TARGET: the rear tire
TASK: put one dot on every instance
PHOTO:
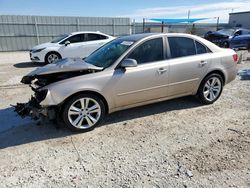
(210, 88)
(83, 112)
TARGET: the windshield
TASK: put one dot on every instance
(109, 53)
(59, 38)
(228, 32)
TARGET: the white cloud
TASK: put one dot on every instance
(220, 9)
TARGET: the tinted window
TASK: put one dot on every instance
(200, 48)
(181, 46)
(238, 32)
(59, 38)
(74, 39)
(95, 37)
(149, 51)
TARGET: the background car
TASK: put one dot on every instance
(127, 72)
(77, 44)
(224, 37)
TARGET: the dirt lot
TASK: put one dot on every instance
(177, 143)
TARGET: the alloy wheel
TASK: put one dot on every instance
(212, 89)
(52, 58)
(84, 113)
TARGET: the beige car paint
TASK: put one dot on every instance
(147, 83)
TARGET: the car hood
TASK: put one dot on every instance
(43, 45)
(64, 65)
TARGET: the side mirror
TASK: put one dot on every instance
(67, 43)
(129, 63)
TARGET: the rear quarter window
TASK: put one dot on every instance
(200, 48)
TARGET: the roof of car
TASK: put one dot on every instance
(81, 32)
(137, 37)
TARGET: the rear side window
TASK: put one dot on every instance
(149, 51)
(181, 46)
(93, 36)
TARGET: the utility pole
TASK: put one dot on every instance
(162, 27)
(188, 20)
(188, 14)
(217, 25)
(143, 25)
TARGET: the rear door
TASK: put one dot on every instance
(189, 61)
(92, 42)
(145, 82)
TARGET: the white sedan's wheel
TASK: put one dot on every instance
(83, 112)
(52, 57)
(210, 88)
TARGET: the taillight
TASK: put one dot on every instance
(235, 58)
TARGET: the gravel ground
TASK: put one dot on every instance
(177, 143)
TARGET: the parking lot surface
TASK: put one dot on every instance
(177, 143)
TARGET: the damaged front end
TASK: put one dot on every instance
(43, 76)
(33, 108)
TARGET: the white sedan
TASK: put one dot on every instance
(77, 44)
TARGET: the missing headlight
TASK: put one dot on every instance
(41, 95)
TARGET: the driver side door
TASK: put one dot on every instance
(147, 81)
(74, 48)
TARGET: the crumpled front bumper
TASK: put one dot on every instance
(33, 109)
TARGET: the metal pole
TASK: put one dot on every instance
(77, 24)
(188, 20)
(37, 34)
(162, 27)
(133, 26)
(143, 25)
(217, 25)
(188, 14)
(113, 26)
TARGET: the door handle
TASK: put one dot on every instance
(202, 62)
(162, 70)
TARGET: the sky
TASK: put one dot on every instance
(134, 9)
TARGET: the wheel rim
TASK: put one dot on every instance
(52, 58)
(84, 113)
(212, 89)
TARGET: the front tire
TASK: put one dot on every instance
(210, 88)
(83, 112)
(52, 57)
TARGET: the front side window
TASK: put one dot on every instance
(238, 32)
(149, 51)
(76, 38)
(59, 38)
(181, 46)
